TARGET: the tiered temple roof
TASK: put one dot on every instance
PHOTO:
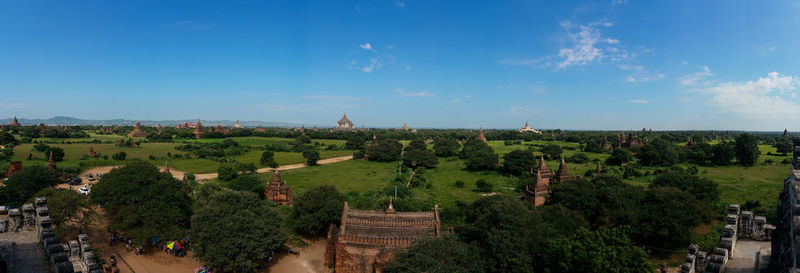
(344, 124)
(528, 128)
(480, 135)
(51, 163)
(15, 122)
(278, 191)
(367, 240)
(198, 130)
(137, 131)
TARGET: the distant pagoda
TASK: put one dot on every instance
(137, 131)
(344, 124)
(480, 135)
(198, 130)
(15, 122)
(528, 128)
(237, 125)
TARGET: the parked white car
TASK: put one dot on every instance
(84, 190)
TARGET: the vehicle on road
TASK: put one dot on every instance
(84, 190)
(75, 181)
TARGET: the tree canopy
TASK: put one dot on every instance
(235, 230)
(747, 149)
(67, 208)
(703, 189)
(437, 255)
(479, 155)
(386, 150)
(599, 251)
(314, 210)
(24, 184)
(143, 201)
(518, 162)
(444, 147)
(619, 156)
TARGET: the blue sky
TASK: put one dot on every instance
(557, 64)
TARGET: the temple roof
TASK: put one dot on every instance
(542, 165)
(345, 120)
(390, 224)
(562, 167)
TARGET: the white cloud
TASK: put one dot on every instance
(695, 78)
(684, 62)
(406, 93)
(640, 74)
(638, 101)
(618, 2)
(520, 109)
(771, 49)
(400, 4)
(408, 67)
(331, 98)
(764, 98)
(589, 45)
(366, 46)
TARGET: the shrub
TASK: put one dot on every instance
(119, 156)
(459, 184)
(483, 185)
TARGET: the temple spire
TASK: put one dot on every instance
(276, 177)
(542, 165)
(599, 168)
(390, 210)
(51, 163)
(562, 168)
(480, 135)
(166, 167)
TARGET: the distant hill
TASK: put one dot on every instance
(77, 121)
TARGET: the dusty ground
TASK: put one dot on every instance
(745, 255)
(310, 260)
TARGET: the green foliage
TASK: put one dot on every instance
(619, 156)
(143, 202)
(311, 156)
(354, 142)
(666, 217)
(658, 152)
(518, 162)
(747, 149)
(444, 147)
(593, 146)
(41, 147)
(703, 189)
(68, 208)
(599, 251)
(58, 153)
(226, 171)
(268, 159)
(437, 255)
(314, 210)
(483, 186)
(119, 156)
(578, 158)
(417, 144)
(723, 153)
(479, 155)
(552, 151)
(235, 231)
(247, 183)
(459, 184)
(784, 146)
(420, 158)
(386, 150)
(24, 184)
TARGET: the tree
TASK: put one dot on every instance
(8, 139)
(658, 152)
(23, 185)
(593, 147)
(437, 255)
(119, 156)
(420, 158)
(314, 210)
(58, 153)
(67, 208)
(41, 147)
(552, 151)
(784, 146)
(747, 149)
(417, 144)
(479, 155)
(226, 171)
(518, 162)
(247, 183)
(602, 250)
(268, 159)
(666, 217)
(311, 156)
(386, 151)
(143, 201)
(235, 231)
(354, 142)
(444, 147)
(483, 186)
(619, 156)
(702, 188)
(723, 153)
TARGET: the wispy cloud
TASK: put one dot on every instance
(366, 46)
(639, 74)
(767, 97)
(459, 100)
(407, 93)
(12, 104)
(638, 101)
(697, 77)
(400, 4)
(618, 2)
(587, 44)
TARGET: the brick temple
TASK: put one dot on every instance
(367, 240)
(278, 191)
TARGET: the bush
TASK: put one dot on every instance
(41, 147)
(119, 156)
(311, 156)
(579, 158)
(459, 184)
(483, 185)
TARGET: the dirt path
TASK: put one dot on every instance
(310, 260)
(201, 176)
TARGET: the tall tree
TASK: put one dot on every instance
(479, 155)
(552, 151)
(143, 202)
(445, 147)
(386, 150)
(702, 188)
(723, 153)
(314, 210)
(747, 149)
(599, 251)
(68, 208)
(437, 255)
(311, 156)
(619, 156)
(235, 231)
(518, 162)
(24, 184)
